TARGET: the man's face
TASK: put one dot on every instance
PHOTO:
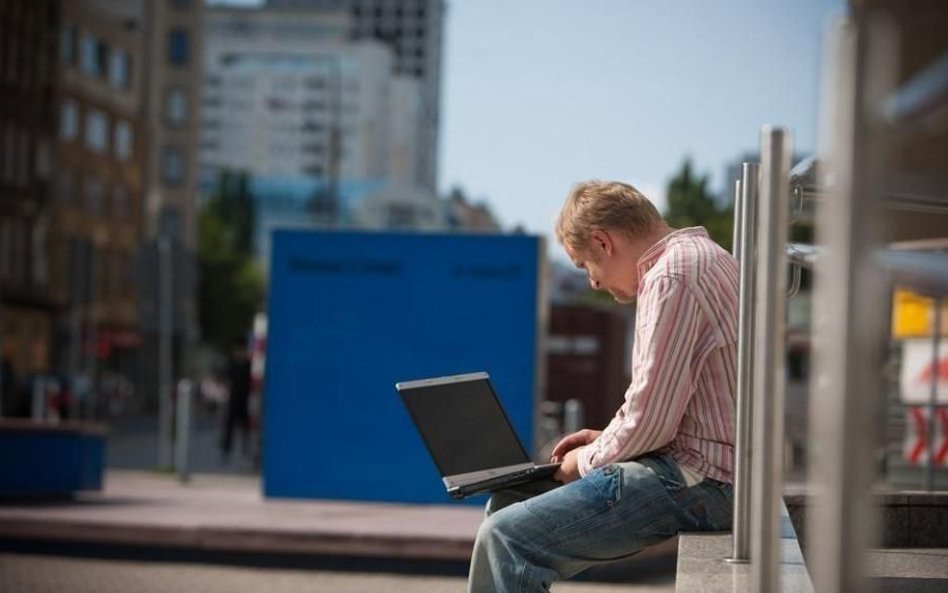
(605, 260)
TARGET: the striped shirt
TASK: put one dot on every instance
(684, 364)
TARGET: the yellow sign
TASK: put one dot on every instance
(912, 316)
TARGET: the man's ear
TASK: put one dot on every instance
(601, 242)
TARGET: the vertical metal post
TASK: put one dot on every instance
(572, 416)
(91, 356)
(81, 252)
(165, 384)
(850, 310)
(933, 396)
(745, 250)
(738, 221)
(183, 429)
(770, 345)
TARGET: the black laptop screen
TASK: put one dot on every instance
(464, 426)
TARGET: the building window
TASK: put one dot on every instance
(172, 165)
(120, 69)
(176, 106)
(69, 120)
(68, 39)
(170, 225)
(178, 47)
(97, 131)
(94, 55)
(123, 140)
(94, 196)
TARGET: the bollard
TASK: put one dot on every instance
(183, 429)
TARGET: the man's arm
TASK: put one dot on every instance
(573, 441)
(663, 358)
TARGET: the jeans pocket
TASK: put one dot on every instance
(597, 493)
(666, 469)
(710, 504)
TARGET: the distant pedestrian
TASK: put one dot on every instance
(237, 412)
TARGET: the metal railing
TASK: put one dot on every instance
(850, 320)
(745, 250)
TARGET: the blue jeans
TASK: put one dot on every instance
(540, 533)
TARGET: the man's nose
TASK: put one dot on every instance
(594, 283)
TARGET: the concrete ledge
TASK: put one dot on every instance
(702, 567)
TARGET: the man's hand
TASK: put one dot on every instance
(569, 470)
(571, 442)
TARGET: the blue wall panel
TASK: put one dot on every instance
(352, 313)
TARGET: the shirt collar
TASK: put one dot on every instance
(655, 252)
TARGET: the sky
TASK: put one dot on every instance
(538, 95)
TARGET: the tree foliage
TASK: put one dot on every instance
(690, 203)
(231, 285)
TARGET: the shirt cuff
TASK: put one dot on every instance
(584, 460)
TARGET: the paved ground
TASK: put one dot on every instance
(53, 574)
(225, 519)
(230, 514)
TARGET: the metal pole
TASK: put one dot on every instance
(92, 363)
(738, 221)
(183, 430)
(165, 384)
(850, 311)
(80, 292)
(572, 416)
(746, 216)
(770, 346)
(933, 397)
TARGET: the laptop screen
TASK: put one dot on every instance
(463, 425)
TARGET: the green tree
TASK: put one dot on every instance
(691, 204)
(231, 283)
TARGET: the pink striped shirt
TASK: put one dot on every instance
(684, 364)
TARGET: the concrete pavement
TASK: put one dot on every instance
(161, 530)
(52, 574)
(229, 514)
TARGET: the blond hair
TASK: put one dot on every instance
(610, 205)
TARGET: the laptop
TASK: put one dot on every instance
(469, 435)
